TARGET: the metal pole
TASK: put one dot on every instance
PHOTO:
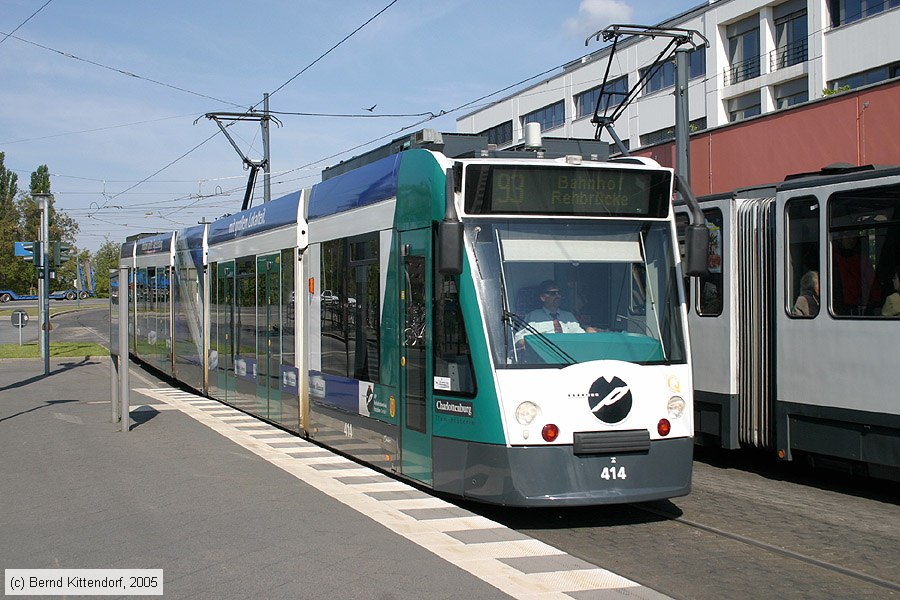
(267, 169)
(114, 351)
(682, 114)
(125, 410)
(45, 279)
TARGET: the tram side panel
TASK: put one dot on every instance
(837, 381)
(713, 309)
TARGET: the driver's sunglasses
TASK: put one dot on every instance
(553, 293)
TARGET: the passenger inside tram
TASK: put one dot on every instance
(891, 306)
(856, 291)
(807, 304)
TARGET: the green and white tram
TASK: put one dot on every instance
(507, 327)
(423, 274)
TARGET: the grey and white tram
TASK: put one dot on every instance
(793, 330)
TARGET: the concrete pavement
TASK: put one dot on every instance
(230, 507)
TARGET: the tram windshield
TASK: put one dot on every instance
(556, 294)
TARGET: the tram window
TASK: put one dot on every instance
(681, 223)
(802, 219)
(245, 326)
(335, 357)
(350, 316)
(864, 231)
(287, 307)
(710, 300)
(363, 302)
(453, 370)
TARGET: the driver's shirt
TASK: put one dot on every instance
(543, 321)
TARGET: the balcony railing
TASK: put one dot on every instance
(791, 54)
(742, 71)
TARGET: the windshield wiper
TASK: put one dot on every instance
(523, 324)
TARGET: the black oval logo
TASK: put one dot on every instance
(610, 401)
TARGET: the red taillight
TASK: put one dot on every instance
(664, 427)
(550, 432)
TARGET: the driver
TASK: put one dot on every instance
(550, 318)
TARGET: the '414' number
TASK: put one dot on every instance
(613, 473)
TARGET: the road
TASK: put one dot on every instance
(95, 310)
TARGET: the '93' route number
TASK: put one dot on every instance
(613, 473)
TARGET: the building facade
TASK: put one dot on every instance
(788, 86)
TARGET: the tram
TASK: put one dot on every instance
(793, 326)
(508, 327)
(150, 316)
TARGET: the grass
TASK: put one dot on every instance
(61, 349)
(6, 313)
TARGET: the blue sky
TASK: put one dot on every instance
(65, 102)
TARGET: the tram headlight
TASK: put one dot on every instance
(676, 407)
(527, 412)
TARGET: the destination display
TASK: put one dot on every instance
(552, 190)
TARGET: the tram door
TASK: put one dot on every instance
(224, 337)
(268, 339)
(415, 410)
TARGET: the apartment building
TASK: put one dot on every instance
(780, 73)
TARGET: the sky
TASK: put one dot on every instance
(111, 94)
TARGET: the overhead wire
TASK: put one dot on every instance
(279, 88)
(123, 71)
(19, 26)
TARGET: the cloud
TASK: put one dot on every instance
(594, 15)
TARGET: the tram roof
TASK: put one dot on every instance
(470, 145)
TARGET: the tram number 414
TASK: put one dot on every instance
(613, 473)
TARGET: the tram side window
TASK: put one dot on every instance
(453, 370)
(288, 326)
(363, 304)
(333, 292)
(245, 325)
(711, 285)
(802, 218)
(350, 320)
(681, 223)
(864, 231)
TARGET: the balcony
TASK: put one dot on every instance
(741, 71)
(785, 56)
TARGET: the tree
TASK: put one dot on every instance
(15, 274)
(106, 258)
(61, 226)
(20, 221)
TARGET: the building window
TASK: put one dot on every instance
(744, 107)
(549, 117)
(863, 228)
(791, 36)
(614, 93)
(664, 76)
(500, 134)
(869, 77)
(791, 93)
(668, 134)
(849, 11)
(802, 220)
(743, 50)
